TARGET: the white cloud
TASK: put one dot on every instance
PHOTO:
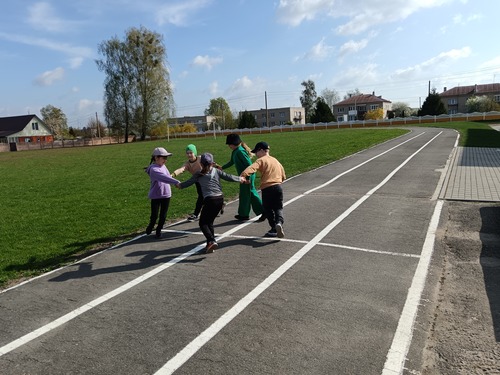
(352, 47)
(362, 14)
(49, 77)
(207, 61)
(436, 61)
(74, 51)
(86, 104)
(459, 19)
(180, 13)
(318, 52)
(41, 16)
(75, 62)
(213, 88)
(358, 76)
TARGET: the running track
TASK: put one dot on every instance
(338, 295)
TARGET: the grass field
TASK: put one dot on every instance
(61, 204)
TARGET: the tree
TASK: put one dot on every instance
(351, 93)
(322, 112)
(137, 84)
(401, 109)
(119, 86)
(220, 109)
(433, 105)
(481, 104)
(56, 120)
(98, 128)
(375, 114)
(247, 120)
(331, 97)
(308, 99)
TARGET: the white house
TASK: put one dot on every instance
(24, 129)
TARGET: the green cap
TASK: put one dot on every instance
(192, 148)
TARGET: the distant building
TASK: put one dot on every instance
(355, 107)
(24, 129)
(279, 116)
(202, 123)
(454, 99)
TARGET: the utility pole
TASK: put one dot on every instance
(98, 127)
(267, 112)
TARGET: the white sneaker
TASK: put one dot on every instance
(279, 230)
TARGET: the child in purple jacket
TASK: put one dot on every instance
(160, 191)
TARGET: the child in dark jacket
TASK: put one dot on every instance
(159, 191)
(213, 199)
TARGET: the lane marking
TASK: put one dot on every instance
(197, 343)
(86, 307)
(270, 239)
(396, 356)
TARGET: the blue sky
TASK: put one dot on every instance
(240, 49)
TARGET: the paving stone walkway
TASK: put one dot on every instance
(473, 175)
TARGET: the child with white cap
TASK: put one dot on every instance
(213, 199)
(159, 191)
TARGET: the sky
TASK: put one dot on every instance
(247, 50)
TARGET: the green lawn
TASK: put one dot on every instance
(61, 204)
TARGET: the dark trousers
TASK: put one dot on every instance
(210, 210)
(158, 205)
(199, 200)
(272, 203)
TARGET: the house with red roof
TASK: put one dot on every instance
(355, 107)
(24, 129)
(454, 99)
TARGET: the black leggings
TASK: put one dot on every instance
(210, 210)
(158, 205)
(199, 200)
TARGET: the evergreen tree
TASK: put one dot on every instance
(247, 120)
(322, 112)
(433, 105)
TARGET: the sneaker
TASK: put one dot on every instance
(279, 230)
(242, 218)
(272, 233)
(149, 230)
(192, 217)
(212, 245)
(223, 207)
(158, 235)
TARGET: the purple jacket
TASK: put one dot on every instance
(160, 181)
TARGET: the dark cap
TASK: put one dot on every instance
(260, 146)
(233, 139)
(207, 159)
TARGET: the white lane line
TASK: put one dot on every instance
(396, 356)
(73, 314)
(190, 349)
(270, 239)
